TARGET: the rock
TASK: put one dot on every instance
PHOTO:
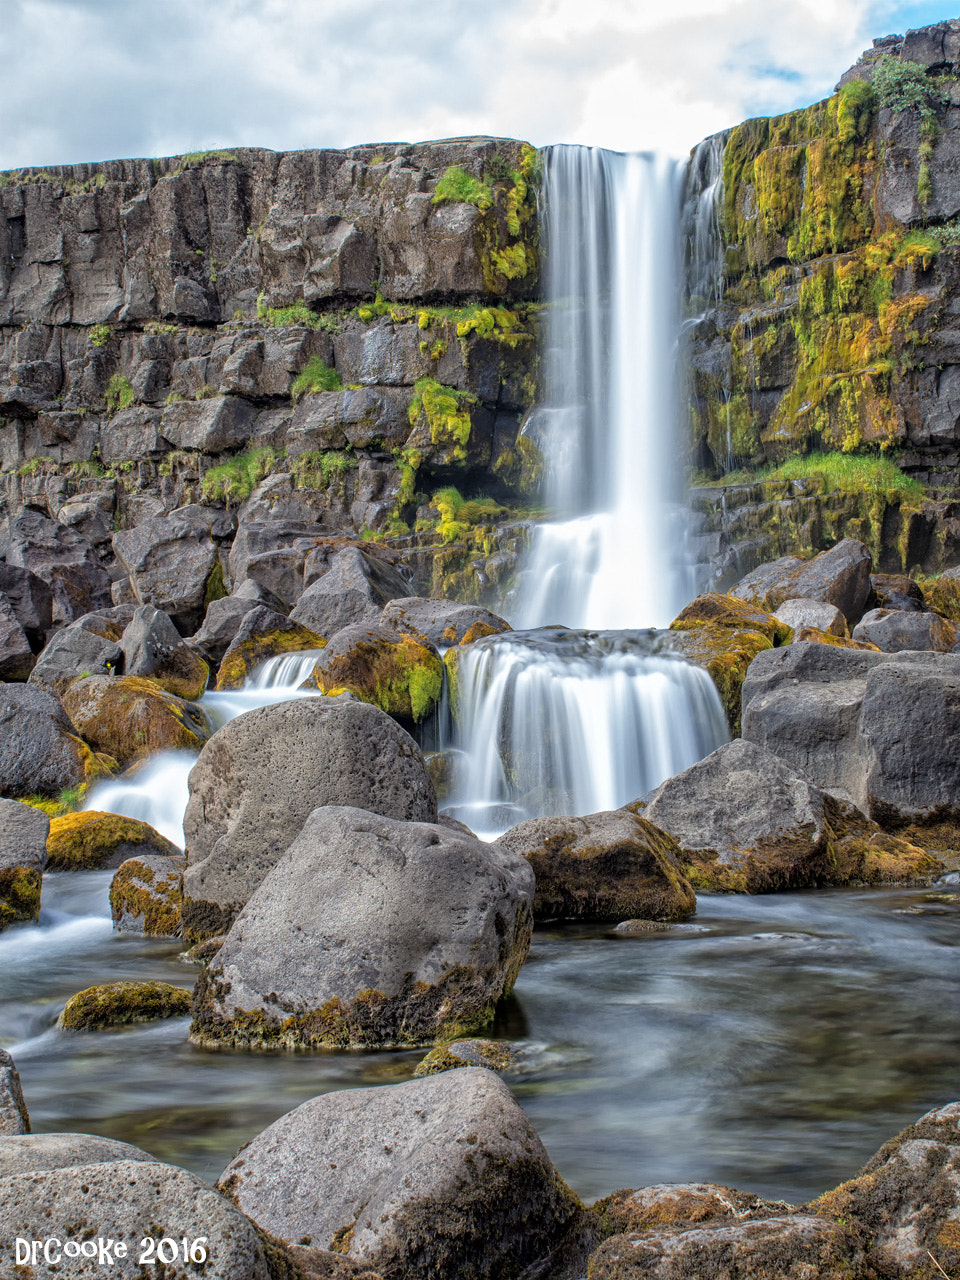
(89, 646)
(64, 559)
(467, 1189)
(152, 647)
(92, 841)
(941, 593)
(16, 657)
(799, 614)
(602, 867)
(174, 565)
(893, 630)
(494, 1055)
(128, 1200)
(216, 425)
(262, 634)
(393, 933)
(400, 674)
(130, 717)
(896, 591)
(761, 1249)
(272, 553)
(14, 1117)
(827, 637)
(222, 620)
(146, 894)
(442, 622)
(36, 1152)
(840, 576)
(675, 1204)
(31, 601)
(261, 775)
(119, 1003)
(903, 1205)
(40, 752)
(725, 655)
(352, 591)
(730, 613)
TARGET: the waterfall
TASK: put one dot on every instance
(559, 721)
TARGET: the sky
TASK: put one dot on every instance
(91, 80)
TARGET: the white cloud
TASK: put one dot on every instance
(90, 79)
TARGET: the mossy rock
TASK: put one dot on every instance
(441, 766)
(92, 840)
(131, 717)
(246, 653)
(725, 655)
(146, 894)
(400, 674)
(120, 1003)
(819, 636)
(731, 614)
(186, 674)
(492, 1054)
(942, 593)
(19, 895)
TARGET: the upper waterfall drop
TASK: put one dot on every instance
(608, 424)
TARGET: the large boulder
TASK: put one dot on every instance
(894, 630)
(92, 841)
(222, 620)
(800, 614)
(14, 1117)
(262, 634)
(840, 576)
(39, 1151)
(17, 659)
(401, 674)
(89, 646)
(31, 601)
(443, 1176)
(442, 622)
(370, 932)
(353, 589)
(607, 866)
(40, 752)
(261, 775)
(64, 559)
(174, 564)
(129, 717)
(152, 646)
(904, 1205)
(23, 858)
(146, 894)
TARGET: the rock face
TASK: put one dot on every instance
(870, 726)
(89, 646)
(40, 751)
(370, 932)
(259, 777)
(840, 577)
(603, 867)
(442, 1176)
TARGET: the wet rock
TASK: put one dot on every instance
(14, 1117)
(16, 656)
(730, 613)
(444, 1173)
(893, 630)
(23, 858)
(31, 601)
(840, 576)
(89, 646)
(118, 1004)
(759, 1249)
(40, 752)
(369, 932)
(262, 634)
(64, 559)
(351, 591)
(602, 867)
(129, 717)
(799, 614)
(261, 775)
(493, 1055)
(146, 894)
(173, 564)
(92, 841)
(152, 647)
(904, 1206)
(401, 674)
(143, 1199)
(442, 622)
(673, 1204)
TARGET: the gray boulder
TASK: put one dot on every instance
(127, 1200)
(31, 601)
(215, 425)
(442, 622)
(370, 932)
(894, 630)
(261, 775)
(146, 894)
(152, 646)
(443, 1176)
(352, 590)
(813, 613)
(89, 646)
(272, 553)
(173, 564)
(222, 620)
(840, 576)
(745, 821)
(64, 559)
(39, 1152)
(16, 656)
(14, 1117)
(40, 752)
(602, 867)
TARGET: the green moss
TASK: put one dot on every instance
(853, 473)
(121, 1003)
(486, 1053)
(317, 469)
(314, 378)
(196, 159)
(446, 412)
(458, 186)
(404, 677)
(296, 315)
(240, 659)
(214, 589)
(100, 335)
(119, 393)
(152, 899)
(19, 895)
(88, 841)
(233, 481)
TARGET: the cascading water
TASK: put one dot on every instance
(557, 721)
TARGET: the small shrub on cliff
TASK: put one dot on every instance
(233, 481)
(459, 187)
(295, 315)
(314, 378)
(905, 86)
(119, 393)
(100, 335)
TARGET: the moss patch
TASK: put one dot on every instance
(725, 655)
(146, 895)
(91, 840)
(401, 675)
(120, 1003)
(132, 716)
(243, 657)
(19, 895)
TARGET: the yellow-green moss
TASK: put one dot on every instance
(241, 658)
(120, 1003)
(19, 895)
(89, 840)
(731, 614)
(725, 655)
(446, 414)
(403, 677)
(151, 899)
(132, 716)
(486, 1053)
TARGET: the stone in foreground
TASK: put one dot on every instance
(261, 775)
(603, 867)
(370, 932)
(437, 1177)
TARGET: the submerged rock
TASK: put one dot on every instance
(119, 1003)
(437, 1177)
(494, 1055)
(91, 841)
(603, 867)
(23, 858)
(370, 932)
(146, 894)
(260, 776)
